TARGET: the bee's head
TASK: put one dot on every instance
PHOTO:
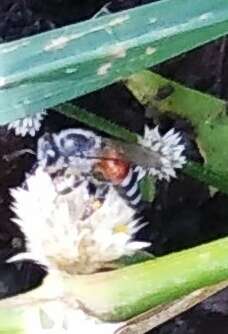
(77, 142)
(71, 147)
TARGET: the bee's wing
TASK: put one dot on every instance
(136, 153)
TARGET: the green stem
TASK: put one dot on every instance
(11, 321)
(99, 123)
(121, 294)
(207, 175)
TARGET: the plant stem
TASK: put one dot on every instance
(121, 294)
(97, 122)
(159, 315)
(11, 321)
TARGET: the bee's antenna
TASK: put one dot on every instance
(16, 154)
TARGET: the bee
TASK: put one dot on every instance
(68, 158)
(83, 154)
(75, 154)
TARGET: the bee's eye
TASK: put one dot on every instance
(77, 143)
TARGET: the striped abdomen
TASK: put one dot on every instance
(119, 172)
(129, 187)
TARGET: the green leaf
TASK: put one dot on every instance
(206, 174)
(148, 189)
(97, 122)
(50, 68)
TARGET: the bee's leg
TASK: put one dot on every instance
(98, 189)
(66, 181)
(19, 277)
(103, 190)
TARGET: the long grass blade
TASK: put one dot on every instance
(50, 68)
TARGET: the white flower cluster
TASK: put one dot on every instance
(169, 148)
(74, 232)
(28, 125)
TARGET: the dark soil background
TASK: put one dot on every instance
(184, 213)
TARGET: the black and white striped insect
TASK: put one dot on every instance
(75, 154)
(83, 154)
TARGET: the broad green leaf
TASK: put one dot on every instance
(50, 68)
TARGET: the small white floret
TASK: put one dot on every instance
(169, 148)
(28, 125)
